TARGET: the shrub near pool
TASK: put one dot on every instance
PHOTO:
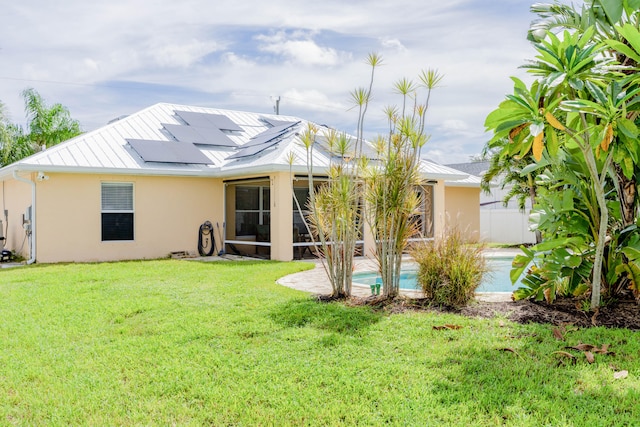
(186, 343)
(449, 271)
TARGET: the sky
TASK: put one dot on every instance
(103, 60)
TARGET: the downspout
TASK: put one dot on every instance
(32, 239)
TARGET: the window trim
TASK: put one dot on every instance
(117, 211)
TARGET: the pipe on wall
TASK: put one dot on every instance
(32, 239)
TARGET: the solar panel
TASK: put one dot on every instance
(254, 149)
(367, 151)
(270, 134)
(261, 139)
(198, 135)
(168, 152)
(275, 123)
(284, 126)
(206, 120)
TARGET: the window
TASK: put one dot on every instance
(252, 209)
(117, 211)
(302, 196)
(424, 218)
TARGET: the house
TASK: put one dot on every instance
(499, 223)
(141, 187)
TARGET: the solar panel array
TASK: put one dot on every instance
(367, 151)
(168, 152)
(204, 129)
(264, 140)
(276, 123)
(206, 120)
(199, 135)
(251, 151)
(279, 129)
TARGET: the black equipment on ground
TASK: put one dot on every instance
(206, 240)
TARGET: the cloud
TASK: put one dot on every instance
(235, 60)
(180, 55)
(299, 47)
(95, 57)
(393, 44)
(311, 100)
(452, 125)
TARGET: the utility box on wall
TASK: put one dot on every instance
(26, 219)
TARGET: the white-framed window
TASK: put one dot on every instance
(117, 211)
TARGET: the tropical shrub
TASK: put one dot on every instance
(449, 269)
(584, 102)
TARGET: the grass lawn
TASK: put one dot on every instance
(175, 342)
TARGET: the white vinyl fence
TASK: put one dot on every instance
(505, 226)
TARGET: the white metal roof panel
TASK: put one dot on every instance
(106, 149)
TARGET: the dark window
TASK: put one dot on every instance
(252, 209)
(117, 211)
(301, 194)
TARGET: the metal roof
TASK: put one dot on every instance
(106, 149)
(472, 168)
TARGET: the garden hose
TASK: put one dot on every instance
(206, 241)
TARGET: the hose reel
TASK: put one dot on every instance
(206, 241)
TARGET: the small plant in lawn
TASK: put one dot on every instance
(449, 269)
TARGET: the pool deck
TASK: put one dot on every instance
(315, 280)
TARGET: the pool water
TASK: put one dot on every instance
(496, 280)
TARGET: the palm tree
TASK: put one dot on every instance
(48, 125)
(13, 145)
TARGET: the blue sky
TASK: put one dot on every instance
(107, 59)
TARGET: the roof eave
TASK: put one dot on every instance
(462, 184)
(7, 172)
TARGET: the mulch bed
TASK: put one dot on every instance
(616, 314)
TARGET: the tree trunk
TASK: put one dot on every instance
(598, 186)
(532, 197)
(628, 194)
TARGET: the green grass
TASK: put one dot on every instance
(185, 343)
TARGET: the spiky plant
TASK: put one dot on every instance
(334, 212)
(392, 183)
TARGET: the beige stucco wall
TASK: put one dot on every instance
(462, 205)
(168, 212)
(281, 217)
(439, 208)
(16, 197)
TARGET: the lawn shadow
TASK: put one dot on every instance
(333, 317)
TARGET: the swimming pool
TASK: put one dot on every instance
(496, 280)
